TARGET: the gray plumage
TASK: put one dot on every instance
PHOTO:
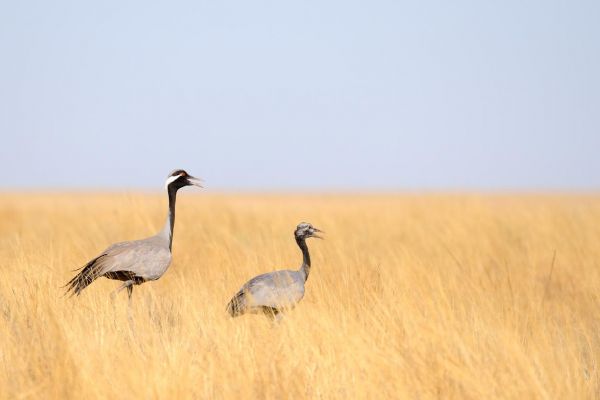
(274, 292)
(138, 261)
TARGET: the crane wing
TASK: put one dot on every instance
(279, 289)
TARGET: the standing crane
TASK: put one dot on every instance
(138, 261)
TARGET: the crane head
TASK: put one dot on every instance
(304, 230)
(179, 178)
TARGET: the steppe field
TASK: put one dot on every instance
(410, 296)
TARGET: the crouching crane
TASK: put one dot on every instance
(275, 292)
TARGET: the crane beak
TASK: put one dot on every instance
(315, 235)
(194, 181)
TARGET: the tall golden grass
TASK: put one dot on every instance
(410, 296)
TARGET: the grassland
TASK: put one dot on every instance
(410, 296)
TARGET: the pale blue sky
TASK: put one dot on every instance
(301, 94)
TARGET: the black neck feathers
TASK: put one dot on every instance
(172, 191)
(305, 256)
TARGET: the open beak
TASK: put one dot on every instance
(315, 235)
(194, 181)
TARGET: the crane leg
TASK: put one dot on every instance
(127, 284)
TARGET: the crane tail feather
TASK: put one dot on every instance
(237, 305)
(83, 279)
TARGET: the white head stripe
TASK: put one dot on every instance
(171, 179)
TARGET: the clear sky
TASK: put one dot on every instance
(301, 94)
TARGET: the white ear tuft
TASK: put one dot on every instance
(171, 179)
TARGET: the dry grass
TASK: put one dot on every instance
(409, 297)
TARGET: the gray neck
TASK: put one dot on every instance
(305, 268)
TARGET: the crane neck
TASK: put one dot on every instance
(167, 230)
(305, 268)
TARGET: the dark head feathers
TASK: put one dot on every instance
(178, 172)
